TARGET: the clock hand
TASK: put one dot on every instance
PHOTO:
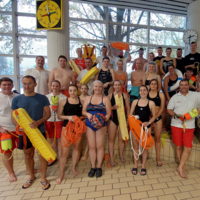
(44, 15)
(52, 13)
(47, 9)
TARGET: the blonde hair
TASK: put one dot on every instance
(98, 81)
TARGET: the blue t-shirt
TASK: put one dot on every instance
(33, 105)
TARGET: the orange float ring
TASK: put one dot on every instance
(120, 45)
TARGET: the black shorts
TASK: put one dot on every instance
(29, 144)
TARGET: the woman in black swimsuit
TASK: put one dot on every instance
(159, 99)
(67, 109)
(113, 123)
(144, 109)
(106, 75)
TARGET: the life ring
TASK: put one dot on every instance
(120, 45)
(175, 86)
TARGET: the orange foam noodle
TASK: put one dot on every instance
(120, 45)
(135, 127)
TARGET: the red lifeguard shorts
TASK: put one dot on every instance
(15, 142)
(180, 138)
(50, 129)
(65, 92)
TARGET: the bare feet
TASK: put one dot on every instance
(59, 180)
(84, 158)
(35, 171)
(12, 178)
(75, 172)
(181, 172)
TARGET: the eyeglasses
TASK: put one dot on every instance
(27, 84)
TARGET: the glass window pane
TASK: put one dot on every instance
(5, 23)
(27, 6)
(6, 65)
(87, 11)
(26, 63)
(127, 34)
(77, 44)
(32, 46)
(6, 44)
(162, 37)
(6, 5)
(87, 30)
(164, 20)
(127, 15)
(27, 25)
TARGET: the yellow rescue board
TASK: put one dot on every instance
(35, 136)
(121, 117)
(89, 75)
(74, 66)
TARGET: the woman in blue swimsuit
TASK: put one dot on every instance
(96, 103)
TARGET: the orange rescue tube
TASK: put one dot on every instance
(120, 45)
(135, 127)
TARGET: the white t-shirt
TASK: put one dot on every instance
(182, 104)
(61, 96)
(6, 112)
(42, 79)
(100, 60)
(116, 59)
(90, 82)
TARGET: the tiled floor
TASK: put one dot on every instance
(118, 184)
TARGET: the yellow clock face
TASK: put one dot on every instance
(48, 14)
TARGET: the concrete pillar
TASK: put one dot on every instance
(58, 40)
(193, 17)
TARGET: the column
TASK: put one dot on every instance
(58, 40)
(193, 17)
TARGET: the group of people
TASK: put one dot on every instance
(148, 98)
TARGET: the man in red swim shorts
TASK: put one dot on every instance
(6, 125)
(180, 104)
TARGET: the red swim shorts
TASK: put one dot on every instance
(50, 129)
(65, 92)
(180, 138)
(15, 142)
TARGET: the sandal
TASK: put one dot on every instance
(45, 183)
(134, 170)
(143, 170)
(112, 164)
(99, 172)
(92, 172)
(159, 163)
(30, 182)
(51, 163)
(123, 160)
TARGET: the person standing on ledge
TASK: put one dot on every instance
(40, 74)
(158, 58)
(63, 75)
(193, 57)
(136, 81)
(180, 61)
(80, 61)
(104, 50)
(180, 104)
(143, 60)
(120, 57)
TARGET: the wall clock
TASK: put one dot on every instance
(190, 36)
(48, 14)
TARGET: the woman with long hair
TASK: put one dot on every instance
(151, 74)
(67, 109)
(97, 109)
(159, 99)
(144, 109)
(113, 123)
